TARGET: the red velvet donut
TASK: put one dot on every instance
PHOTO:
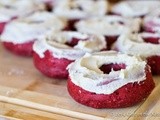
(110, 26)
(11, 10)
(51, 66)
(152, 22)
(76, 10)
(125, 96)
(146, 45)
(135, 8)
(20, 34)
(55, 51)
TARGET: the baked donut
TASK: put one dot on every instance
(111, 26)
(75, 10)
(109, 80)
(56, 50)
(11, 9)
(152, 22)
(135, 8)
(145, 45)
(20, 34)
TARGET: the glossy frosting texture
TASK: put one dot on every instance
(134, 44)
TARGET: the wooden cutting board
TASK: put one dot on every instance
(27, 94)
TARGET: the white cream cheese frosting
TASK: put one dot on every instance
(135, 8)
(79, 9)
(153, 20)
(10, 9)
(31, 27)
(55, 43)
(134, 44)
(86, 74)
(110, 25)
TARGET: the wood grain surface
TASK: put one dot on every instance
(27, 94)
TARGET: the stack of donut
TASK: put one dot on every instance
(107, 53)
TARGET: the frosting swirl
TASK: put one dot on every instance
(92, 79)
(56, 43)
(31, 27)
(110, 25)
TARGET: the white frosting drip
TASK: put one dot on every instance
(86, 74)
(134, 8)
(55, 42)
(31, 27)
(134, 44)
(18, 8)
(153, 20)
(110, 25)
(78, 9)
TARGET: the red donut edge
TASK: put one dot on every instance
(128, 95)
(51, 66)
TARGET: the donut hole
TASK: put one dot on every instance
(111, 40)
(73, 42)
(152, 40)
(121, 23)
(109, 67)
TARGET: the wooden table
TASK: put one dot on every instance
(27, 94)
